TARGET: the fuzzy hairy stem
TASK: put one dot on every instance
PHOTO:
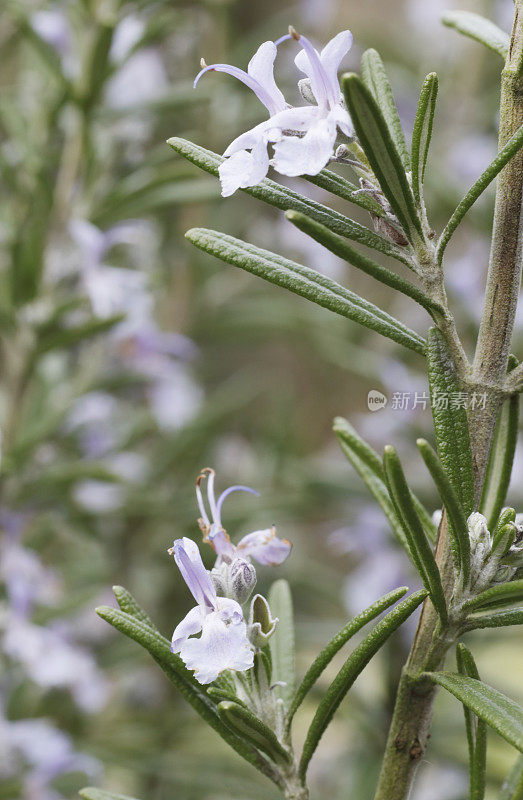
(410, 725)
(504, 274)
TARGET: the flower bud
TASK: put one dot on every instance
(242, 579)
(478, 531)
(261, 624)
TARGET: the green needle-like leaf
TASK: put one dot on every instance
(175, 670)
(282, 641)
(511, 148)
(129, 605)
(355, 663)
(450, 420)
(246, 726)
(340, 247)
(458, 528)
(376, 80)
(329, 651)
(499, 469)
(502, 594)
(501, 619)
(374, 136)
(497, 710)
(368, 465)
(477, 27)
(476, 729)
(283, 198)
(422, 555)
(512, 788)
(422, 133)
(305, 282)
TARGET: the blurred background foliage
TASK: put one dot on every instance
(130, 361)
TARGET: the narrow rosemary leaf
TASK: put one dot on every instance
(335, 645)
(379, 491)
(374, 137)
(129, 605)
(501, 619)
(375, 78)
(340, 247)
(191, 690)
(282, 641)
(501, 459)
(512, 788)
(283, 198)
(218, 695)
(505, 154)
(458, 528)
(477, 27)
(450, 420)
(476, 729)
(367, 464)
(246, 726)
(423, 556)
(355, 663)
(504, 534)
(341, 187)
(422, 133)
(500, 712)
(501, 595)
(304, 282)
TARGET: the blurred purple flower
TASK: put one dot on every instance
(52, 659)
(36, 750)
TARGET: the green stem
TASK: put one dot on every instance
(409, 731)
(504, 273)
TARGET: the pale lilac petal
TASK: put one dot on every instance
(296, 119)
(223, 546)
(261, 68)
(265, 547)
(244, 169)
(309, 154)
(197, 578)
(222, 645)
(340, 116)
(259, 90)
(191, 624)
(308, 61)
(331, 57)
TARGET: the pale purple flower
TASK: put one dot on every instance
(51, 659)
(263, 545)
(223, 643)
(46, 752)
(303, 137)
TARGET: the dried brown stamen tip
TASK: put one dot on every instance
(294, 33)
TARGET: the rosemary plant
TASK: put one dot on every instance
(232, 657)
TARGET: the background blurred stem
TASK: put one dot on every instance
(410, 725)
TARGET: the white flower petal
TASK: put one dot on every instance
(261, 68)
(192, 623)
(265, 547)
(244, 168)
(197, 578)
(306, 155)
(331, 57)
(222, 645)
